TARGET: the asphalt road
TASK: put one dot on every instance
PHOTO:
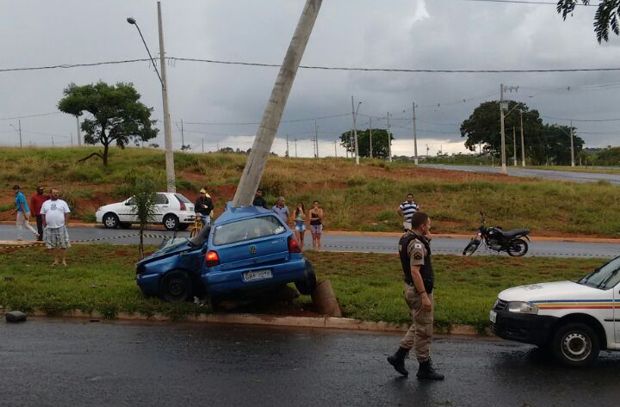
(347, 243)
(526, 172)
(68, 363)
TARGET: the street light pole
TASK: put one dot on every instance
(415, 138)
(503, 135)
(354, 111)
(389, 138)
(572, 146)
(522, 143)
(370, 135)
(514, 142)
(169, 154)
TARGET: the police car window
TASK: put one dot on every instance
(606, 277)
(247, 229)
(161, 199)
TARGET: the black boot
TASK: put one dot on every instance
(427, 372)
(398, 361)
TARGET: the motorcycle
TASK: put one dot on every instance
(512, 241)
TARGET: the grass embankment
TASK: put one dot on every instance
(363, 198)
(368, 286)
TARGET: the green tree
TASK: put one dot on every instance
(608, 156)
(380, 148)
(606, 16)
(117, 114)
(555, 144)
(142, 189)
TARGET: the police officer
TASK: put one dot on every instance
(415, 256)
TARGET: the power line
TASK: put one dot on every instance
(535, 2)
(318, 67)
(257, 123)
(30, 115)
(581, 120)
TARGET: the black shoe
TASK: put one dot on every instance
(398, 361)
(427, 372)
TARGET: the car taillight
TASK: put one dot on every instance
(212, 258)
(293, 245)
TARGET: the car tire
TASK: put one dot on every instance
(307, 286)
(517, 247)
(110, 221)
(576, 344)
(176, 286)
(125, 225)
(183, 226)
(171, 222)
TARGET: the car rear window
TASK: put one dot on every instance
(182, 198)
(247, 229)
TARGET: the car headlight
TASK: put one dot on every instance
(522, 307)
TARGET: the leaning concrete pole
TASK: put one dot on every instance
(270, 122)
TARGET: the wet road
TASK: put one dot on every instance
(527, 172)
(333, 241)
(61, 363)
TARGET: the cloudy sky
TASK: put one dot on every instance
(216, 102)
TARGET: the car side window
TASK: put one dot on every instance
(247, 229)
(161, 199)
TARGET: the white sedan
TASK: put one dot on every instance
(173, 210)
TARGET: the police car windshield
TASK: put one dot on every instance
(605, 277)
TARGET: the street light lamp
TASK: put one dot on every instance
(354, 112)
(170, 176)
(19, 131)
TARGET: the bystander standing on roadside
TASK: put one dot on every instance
(300, 224)
(36, 201)
(203, 207)
(316, 216)
(56, 212)
(22, 212)
(259, 200)
(281, 210)
(415, 257)
(406, 210)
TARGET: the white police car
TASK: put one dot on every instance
(574, 320)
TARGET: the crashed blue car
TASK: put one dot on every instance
(245, 249)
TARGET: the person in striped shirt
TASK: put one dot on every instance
(407, 209)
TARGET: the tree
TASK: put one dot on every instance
(141, 188)
(117, 115)
(606, 16)
(482, 128)
(380, 148)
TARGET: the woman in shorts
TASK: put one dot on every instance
(300, 224)
(316, 216)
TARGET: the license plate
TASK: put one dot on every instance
(257, 275)
(493, 316)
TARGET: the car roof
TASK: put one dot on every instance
(237, 213)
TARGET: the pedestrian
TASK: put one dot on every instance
(281, 210)
(406, 210)
(415, 256)
(36, 201)
(203, 207)
(259, 200)
(316, 216)
(22, 212)
(56, 215)
(300, 224)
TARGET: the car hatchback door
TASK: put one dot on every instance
(250, 242)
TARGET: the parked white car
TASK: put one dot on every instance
(572, 319)
(173, 210)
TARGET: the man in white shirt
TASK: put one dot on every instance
(56, 214)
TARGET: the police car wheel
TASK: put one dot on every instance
(576, 344)
(176, 286)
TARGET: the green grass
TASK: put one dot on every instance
(368, 286)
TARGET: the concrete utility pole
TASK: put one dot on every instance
(170, 176)
(522, 143)
(572, 146)
(295, 148)
(255, 165)
(316, 140)
(203, 144)
(503, 135)
(287, 154)
(514, 142)
(79, 133)
(335, 148)
(389, 134)
(182, 136)
(415, 139)
(354, 113)
(370, 135)
(19, 124)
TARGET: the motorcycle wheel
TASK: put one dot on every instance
(471, 247)
(517, 247)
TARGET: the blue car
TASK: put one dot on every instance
(245, 249)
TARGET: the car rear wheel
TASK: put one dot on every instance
(576, 344)
(307, 286)
(110, 221)
(176, 286)
(171, 222)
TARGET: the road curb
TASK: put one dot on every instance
(324, 322)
